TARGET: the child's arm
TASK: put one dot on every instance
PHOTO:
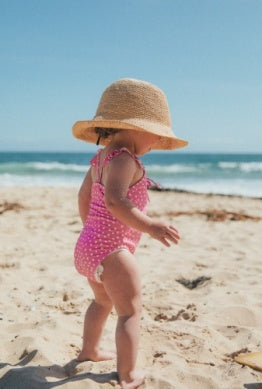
(84, 196)
(119, 174)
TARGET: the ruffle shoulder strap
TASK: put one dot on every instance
(95, 160)
(117, 152)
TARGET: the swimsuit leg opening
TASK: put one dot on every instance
(100, 268)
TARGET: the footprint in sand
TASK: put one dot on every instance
(187, 314)
(159, 356)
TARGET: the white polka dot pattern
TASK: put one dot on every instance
(103, 233)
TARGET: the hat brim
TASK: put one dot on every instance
(85, 130)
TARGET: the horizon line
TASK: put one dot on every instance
(151, 152)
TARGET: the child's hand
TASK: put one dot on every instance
(164, 233)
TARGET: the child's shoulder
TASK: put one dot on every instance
(122, 155)
(123, 151)
(119, 156)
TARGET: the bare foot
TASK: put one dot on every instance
(133, 381)
(97, 356)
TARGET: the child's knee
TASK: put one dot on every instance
(101, 297)
(131, 308)
(105, 302)
(125, 316)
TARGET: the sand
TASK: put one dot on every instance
(189, 336)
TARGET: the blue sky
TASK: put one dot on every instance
(57, 56)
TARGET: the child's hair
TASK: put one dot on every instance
(104, 133)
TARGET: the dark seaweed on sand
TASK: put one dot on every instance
(192, 284)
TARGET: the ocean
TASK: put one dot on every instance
(233, 174)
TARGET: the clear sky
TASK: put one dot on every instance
(57, 56)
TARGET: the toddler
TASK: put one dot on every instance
(132, 118)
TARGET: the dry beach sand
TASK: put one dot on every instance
(189, 336)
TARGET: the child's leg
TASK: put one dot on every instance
(95, 319)
(121, 280)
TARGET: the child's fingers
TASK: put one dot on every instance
(164, 241)
(173, 238)
(166, 234)
(173, 233)
(173, 229)
(167, 237)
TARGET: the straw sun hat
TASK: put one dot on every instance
(130, 104)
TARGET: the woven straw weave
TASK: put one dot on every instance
(130, 104)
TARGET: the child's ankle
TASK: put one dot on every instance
(132, 379)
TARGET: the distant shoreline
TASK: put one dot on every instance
(212, 173)
(153, 189)
(177, 152)
(202, 194)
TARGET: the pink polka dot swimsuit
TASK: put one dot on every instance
(103, 233)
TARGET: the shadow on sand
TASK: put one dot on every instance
(24, 377)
